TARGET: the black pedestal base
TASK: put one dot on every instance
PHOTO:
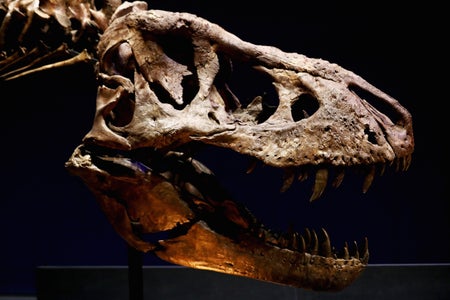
(386, 282)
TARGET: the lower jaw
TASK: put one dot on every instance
(202, 248)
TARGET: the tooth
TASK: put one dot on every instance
(319, 184)
(191, 189)
(294, 241)
(365, 257)
(302, 246)
(288, 179)
(346, 254)
(326, 244)
(368, 179)
(303, 175)
(383, 168)
(397, 164)
(338, 179)
(308, 237)
(406, 162)
(283, 242)
(315, 241)
(252, 165)
(356, 250)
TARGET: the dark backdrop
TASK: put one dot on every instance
(48, 217)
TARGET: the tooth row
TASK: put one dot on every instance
(309, 242)
(322, 175)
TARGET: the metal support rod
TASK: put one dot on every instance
(135, 274)
(135, 278)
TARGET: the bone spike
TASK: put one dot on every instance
(356, 250)
(338, 179)
(319, 184)
(368, 179)
(326, 244)
(288, 179)
(315, 243)
(346, 254)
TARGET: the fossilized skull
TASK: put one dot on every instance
(164, 90)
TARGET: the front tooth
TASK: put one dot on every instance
(288, 179)
(368, 179)
(319, 184)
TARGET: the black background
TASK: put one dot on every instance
(48, 217)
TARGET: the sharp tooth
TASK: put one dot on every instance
(406, 162)
(368, 179)
(326, 244)
(296, 241)
(191, 189)
(319, 184)
(356, 250)
(365, 258)
(288, 179)
(315, 243)
(307, 237)
(383, 168)
(338, 179)
(283, 242)
(302, 244)
(346, 254)
(397, 164)
(252, 165)
(302, 175)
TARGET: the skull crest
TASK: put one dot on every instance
(164, 89)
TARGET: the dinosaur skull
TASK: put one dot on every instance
(164, 87)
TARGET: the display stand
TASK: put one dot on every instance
(135, 274)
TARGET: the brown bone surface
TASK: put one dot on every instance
(163, 90)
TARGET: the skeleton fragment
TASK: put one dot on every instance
(163, 91)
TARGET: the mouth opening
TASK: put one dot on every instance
(213, 203)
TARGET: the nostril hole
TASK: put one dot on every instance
(304, 107)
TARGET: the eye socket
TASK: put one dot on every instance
(119, 60)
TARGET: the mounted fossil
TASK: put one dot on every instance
(163, 92)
